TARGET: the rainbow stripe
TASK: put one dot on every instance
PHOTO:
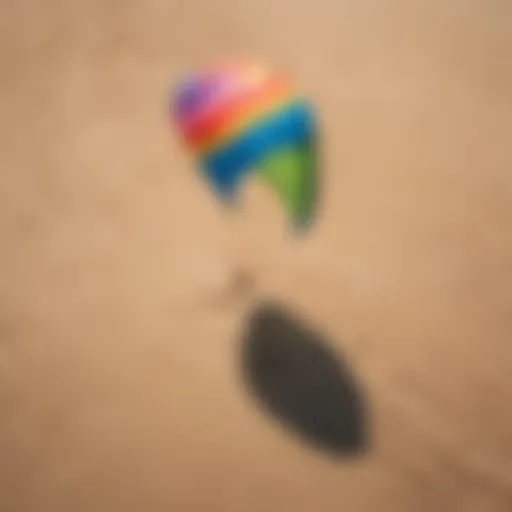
(287, 126)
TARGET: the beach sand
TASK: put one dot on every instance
(122, 381)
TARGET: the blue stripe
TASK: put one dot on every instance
(289, 126)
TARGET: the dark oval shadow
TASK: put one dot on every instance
(300, 380)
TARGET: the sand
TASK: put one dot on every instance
(121, 375)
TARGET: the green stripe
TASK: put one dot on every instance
(292, 172)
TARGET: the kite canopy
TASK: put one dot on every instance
(239, 119)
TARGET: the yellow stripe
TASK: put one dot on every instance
(245, 120)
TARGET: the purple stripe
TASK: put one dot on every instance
(199, 92)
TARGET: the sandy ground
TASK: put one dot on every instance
(120, 384)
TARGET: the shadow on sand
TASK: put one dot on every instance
(298, 379)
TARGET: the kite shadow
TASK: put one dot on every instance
(296, 378)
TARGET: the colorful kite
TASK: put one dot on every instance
(240, 119)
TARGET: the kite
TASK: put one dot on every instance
(240, 120)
